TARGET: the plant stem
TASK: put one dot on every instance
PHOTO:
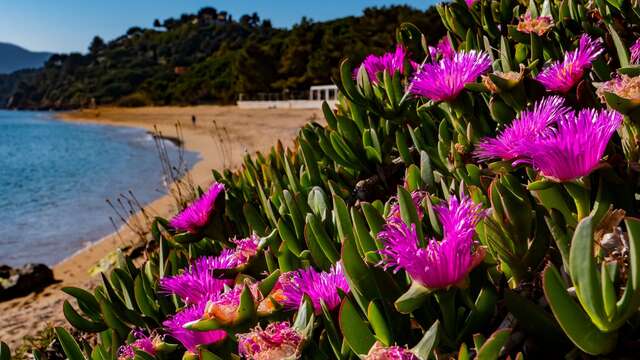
(581, 194)
(447, 304)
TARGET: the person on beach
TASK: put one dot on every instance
(193, 120)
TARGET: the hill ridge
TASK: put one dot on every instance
(14, 57)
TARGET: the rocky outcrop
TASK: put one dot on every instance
(16, 282)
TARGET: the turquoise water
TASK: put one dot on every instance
(55, 177)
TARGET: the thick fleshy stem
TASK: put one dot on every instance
(580, 191)
(446, 302)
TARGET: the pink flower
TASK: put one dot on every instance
(196, 215)
(391, 62)
(442, 263)
(199, 283)
(470, 3)
(380, 352)
(445, 79)
(576, 147)
(442, 49)
(518, 136)
(191, 339)
(635, 51)
(563, 76)
(142, 342)
(416, 197)
(317, 285)
(245, 249)
(277, 341)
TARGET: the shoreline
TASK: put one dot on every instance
(95, 251)
(221, 136)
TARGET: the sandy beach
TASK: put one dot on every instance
(245, 131)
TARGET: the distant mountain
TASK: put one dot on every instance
(14, 57)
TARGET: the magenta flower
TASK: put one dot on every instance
(391, 62)
(635, 51)
(562, 76)
(126, 352)
(380, 352)
(245, 249)
(232, 258)
(277, 341)
(442, 263)
(143, 342)
(442, 49)
(317, 285)
(470, 3)
(517, 137)
(197, 214)
(198, 283)
(416, 197)
(191, 339)
(445, 79)
(576, 147)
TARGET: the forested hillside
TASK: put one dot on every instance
(208, 57)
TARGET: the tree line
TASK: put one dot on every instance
(207, 57)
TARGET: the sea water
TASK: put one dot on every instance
(55, 178)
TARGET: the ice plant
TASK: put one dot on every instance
(191, 339)
(539, 25)
(317, 285)
(277, 341)
(576, 147)
(143, 342)
(562, 76)
(442, 263)
(635, 51)
(196, 215)
(443, 49)
(445, 79)
(394, 61)
(530, 125)
(470, 3)
(380, 352)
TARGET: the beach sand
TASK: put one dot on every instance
(248, 131)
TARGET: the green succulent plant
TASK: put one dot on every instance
(561, 267)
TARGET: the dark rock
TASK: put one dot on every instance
(5, 271)
(24, 280)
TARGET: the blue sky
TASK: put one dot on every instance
(69, 25)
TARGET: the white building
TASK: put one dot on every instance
(317, 95)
